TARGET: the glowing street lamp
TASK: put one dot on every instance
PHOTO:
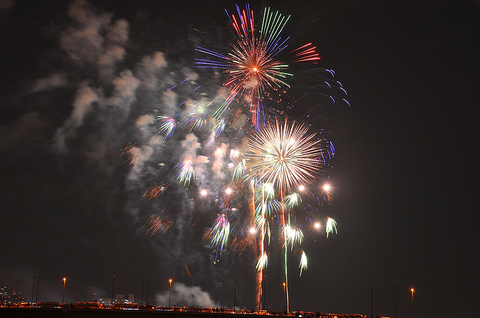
(64, 282)
(412, 290)
(170, 295)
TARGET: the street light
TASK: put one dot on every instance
(64, 282)
(235, 295)
(170, 295)
(412, 290)
(113, 286)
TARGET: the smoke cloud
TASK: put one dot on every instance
(93, 124)
(183, 295)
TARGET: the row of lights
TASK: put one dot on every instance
(228, 191)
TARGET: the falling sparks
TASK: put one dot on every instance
(293, 236)
(303, 262)
(331, 226)
(154, 191)
(219, 234)
(167, 127)
(270, 164)
(185, 174)
(262, 262)
(132, 153)
(292, 200)
(156, 223)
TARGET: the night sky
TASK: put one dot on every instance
(82, 83)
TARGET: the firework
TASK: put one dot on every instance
(218, 234)
(285, 154)
(185, 174)
(167, 127)
(293, 236)
(303, 262)
(196, 117)
(132, 153)
(219, 126)
(279, 158)
(292, 200)
(156, 223)
(239, 171)
(331, 226)
(253, 64)
(154, 191)
(262, 262)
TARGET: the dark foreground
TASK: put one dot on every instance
(116, 313)
(102, 313)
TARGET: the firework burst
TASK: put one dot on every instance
(157, 223)
(331, 226)
(284, 154)
(218, 234)
(167, 127)
(253, 64)
(279, 156)
(185, 174)
(303, 262)
(154, 191)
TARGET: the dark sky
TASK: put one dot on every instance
(83, 81)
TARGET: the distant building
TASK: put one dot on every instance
(10, 297)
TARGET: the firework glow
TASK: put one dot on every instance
(284, 154)
(197, 157)
(253, 65)
(218, 234)
(185, 174)
(254, 169)
(331, 226)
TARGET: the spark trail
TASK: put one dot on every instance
(254, 65)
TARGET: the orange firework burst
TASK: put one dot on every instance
(156, 223)
(154, 191)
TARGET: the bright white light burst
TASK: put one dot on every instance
(284, 154)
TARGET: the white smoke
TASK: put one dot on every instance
(82, 104)
(85, 41)
(150, 71)
(144, 123)
(107, 61)
(191, 146)
(218, 163)
(49, 83)
(183, 295)
(113, 106)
